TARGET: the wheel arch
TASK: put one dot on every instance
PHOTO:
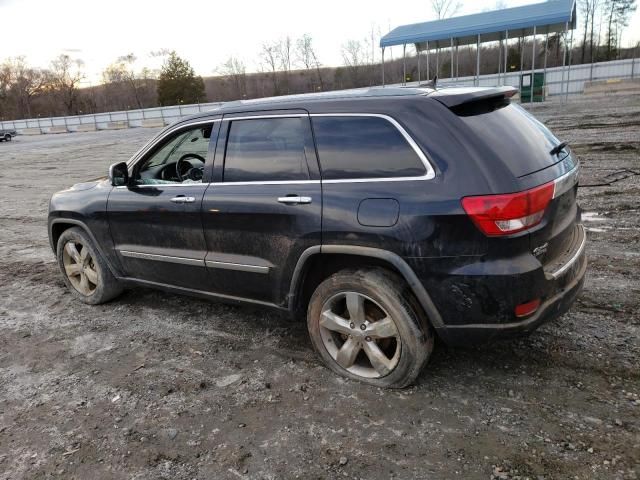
(58, 226)
(338, 257)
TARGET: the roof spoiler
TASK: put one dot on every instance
(453, 97)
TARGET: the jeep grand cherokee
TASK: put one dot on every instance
(385, 216)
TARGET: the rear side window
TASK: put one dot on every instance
(363, 147)
(269, 149)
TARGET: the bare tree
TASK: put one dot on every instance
(585, 9)
(136, 85)
(594, 10)
(618, 13)
(445, 8)
(284, 54)
(25, 83)
(306, 56)
(5, 85)
(353, 57)
(270, 59)
(236, 72)
(66, 75)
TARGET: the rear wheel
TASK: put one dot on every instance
(7, 138)
(366, 326)
(85, 272)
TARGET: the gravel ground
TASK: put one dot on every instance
(159, 386)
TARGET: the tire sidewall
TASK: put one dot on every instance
(391, 293)
(100, 294)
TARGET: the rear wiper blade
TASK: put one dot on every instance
(558, 148)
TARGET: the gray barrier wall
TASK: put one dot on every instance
(148, 117)
(159, 116)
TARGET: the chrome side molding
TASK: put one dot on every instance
(240, 267)
(163, 258)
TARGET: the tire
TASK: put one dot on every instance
(7, 138)
(84, 271)
(374, 295)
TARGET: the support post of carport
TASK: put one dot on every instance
(533, 62)
(428, 76)
(521, 56)
(506, 54)
(457, 62)
(404, 64)
(564, 58)
(383, 66)
(499, 58)
(419, 73)
(451, 58)
(546, 54)
(569, 69)
(477, 82)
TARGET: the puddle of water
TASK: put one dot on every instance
(599, 230)
(592, 217)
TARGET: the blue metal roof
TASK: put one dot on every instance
(550, 16)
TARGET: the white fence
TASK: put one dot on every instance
(577, 75)
(159, 116)
(148, 117)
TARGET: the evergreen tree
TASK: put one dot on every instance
(178, 83)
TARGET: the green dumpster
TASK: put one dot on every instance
(538, 87)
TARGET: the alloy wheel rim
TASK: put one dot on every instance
(80, 267)
(360, 335)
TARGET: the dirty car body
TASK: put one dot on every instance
(460, 194)
(7, 135)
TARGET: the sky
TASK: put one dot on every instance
(206, 32)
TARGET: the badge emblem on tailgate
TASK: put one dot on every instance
(541, 250)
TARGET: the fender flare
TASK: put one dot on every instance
(84, 226)
(394, 259)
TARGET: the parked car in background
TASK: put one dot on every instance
(385, 217)
(7, 135)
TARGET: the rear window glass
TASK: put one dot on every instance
(513, 134)
(363, 147)
(265, 150)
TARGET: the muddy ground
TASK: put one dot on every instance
(157, 386)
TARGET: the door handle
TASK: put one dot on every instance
(183, 199)
(294, 200)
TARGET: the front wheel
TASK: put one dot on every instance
(85, 272)
(7, 138)
(366, 326)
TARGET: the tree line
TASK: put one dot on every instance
(289, 66)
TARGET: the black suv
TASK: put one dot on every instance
(386, 216)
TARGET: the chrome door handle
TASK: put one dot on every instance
(183, 199)
(294, 200)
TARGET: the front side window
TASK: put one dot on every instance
(364, 147)
(269, 149)
(179, 159)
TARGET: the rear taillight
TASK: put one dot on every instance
(505, 214)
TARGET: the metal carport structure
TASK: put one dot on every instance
(553, 16)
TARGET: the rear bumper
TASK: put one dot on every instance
(551, 309)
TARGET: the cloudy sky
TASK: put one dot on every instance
(206, 32)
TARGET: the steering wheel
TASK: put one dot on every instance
(184, 158)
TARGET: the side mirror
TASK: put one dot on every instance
(118, 174)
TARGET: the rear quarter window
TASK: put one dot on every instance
(363, 147)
